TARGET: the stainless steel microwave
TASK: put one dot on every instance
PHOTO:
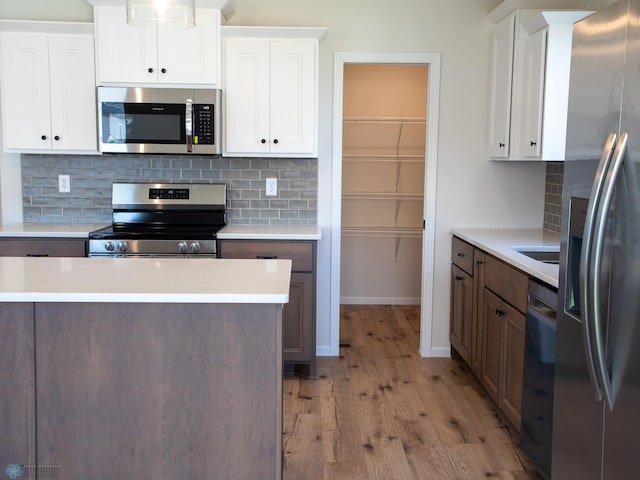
(159, 120)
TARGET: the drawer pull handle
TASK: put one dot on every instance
(266, 257)
(461, 254)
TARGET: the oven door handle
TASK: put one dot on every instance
(188, 124)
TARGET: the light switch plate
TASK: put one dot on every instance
(64, 183)
(272, 187)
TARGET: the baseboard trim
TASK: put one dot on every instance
(380, 300)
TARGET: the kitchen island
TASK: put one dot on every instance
(142, 368)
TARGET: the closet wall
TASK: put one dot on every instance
(383, 153)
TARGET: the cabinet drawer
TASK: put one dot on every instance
(300, 252)
(507, 282)
(462, 255)
(29, 247)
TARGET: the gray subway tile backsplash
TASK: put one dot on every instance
(553, 196)
(92, 176)
(295, 204)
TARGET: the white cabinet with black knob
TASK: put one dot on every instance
(531, 59)
(271, 91)
(156, 52)
(48, 87)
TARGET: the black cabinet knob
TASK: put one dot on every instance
(150, 70)
(164, 70)
(461, 255)
(501, 145)
(275, 140)
(43, 137)
(533, 144)
(263, 140)
(56, 137)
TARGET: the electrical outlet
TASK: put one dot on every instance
(272, 187)
(64, 183)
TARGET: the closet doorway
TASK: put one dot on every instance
(384, 150)
(383, 160)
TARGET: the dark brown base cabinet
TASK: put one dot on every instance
(461, 298)
(43, 247)
(488, 305)
(299, 315)
(119, 390)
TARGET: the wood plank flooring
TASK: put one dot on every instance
(380, 411)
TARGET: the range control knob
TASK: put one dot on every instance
(109, 246)
(195, 247)
(122, 247)
(182, 247)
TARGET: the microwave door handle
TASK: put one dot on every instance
(188, 121)
(586, 260)
(597, 253)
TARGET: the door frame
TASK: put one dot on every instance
(431, 161)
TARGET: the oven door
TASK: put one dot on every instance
(142, 127)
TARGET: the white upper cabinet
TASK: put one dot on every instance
(502, 42)
(157, 52)
(48, 93)
(530, 85)
(271, 91)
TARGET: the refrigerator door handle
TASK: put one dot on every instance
(596, 272)
(587, 312)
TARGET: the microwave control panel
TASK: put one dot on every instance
(203, 124)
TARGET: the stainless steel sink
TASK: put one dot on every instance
(540, 254)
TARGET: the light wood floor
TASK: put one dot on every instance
(380, 411)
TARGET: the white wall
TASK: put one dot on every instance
(472, 191)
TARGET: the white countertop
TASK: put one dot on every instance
(270, 232)
(143, 280)
(500, 242)
(230, 232)
(52, 230)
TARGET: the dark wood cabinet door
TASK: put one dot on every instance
(461, 312)
(476, 316)
(17, 403)
(491, 365)
(298, 336)
(513, 360)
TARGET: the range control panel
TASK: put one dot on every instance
(168, 194)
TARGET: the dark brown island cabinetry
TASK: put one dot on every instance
(299, 315)
(142, 390)
(488, 305)
(43, 247)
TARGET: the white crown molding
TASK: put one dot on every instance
(508, 6)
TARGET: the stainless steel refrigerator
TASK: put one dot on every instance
(596, 416)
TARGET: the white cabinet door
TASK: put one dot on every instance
(190, 55)
(293, 97)
(126, 53)
(246, 93)
(73, 93)
(25, 92)
(48, 92)
(534, 58)
(270, 94)
(502, 77)
(157, 52)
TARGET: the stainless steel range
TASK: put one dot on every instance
(162, 220)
